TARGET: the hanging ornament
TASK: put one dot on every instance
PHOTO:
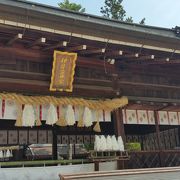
(120, 143)
(87, 117)
(28, 116)
(80, 121)
(8, 154)
(103, 143)
(19, 115)
(52, 117)
(11, 153)
(109, 143)
(61, 119)
(38, 115)
(97, 143)
(115, 146)
(70, 116)
(1, 154)
(97, 127)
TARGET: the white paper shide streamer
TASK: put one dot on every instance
(28, 116)
(8, 153)
(1, 154)
(70, 116)
(52, 117)
(108, 143)
(103, 143)
(87, 117)
(120, 143)
(115, 145)
(97, 143)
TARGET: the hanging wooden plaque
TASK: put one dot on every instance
(63, 71)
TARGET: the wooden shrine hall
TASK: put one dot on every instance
(115, 61)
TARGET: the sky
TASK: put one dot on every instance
(162, 13)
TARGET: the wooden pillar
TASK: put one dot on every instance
(118, 124)
(96, 166)
(54, 144)
(119, 131)
(161, 158)
(157, 129)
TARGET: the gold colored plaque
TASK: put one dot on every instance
(63, 71)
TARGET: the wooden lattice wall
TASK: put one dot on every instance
(169, 140)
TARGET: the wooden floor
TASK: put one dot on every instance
(135, 174)
(156, 176)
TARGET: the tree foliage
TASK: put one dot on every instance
(113, 9)
(66, 4)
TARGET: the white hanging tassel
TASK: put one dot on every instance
(8, 154)
(87, 117)
(97, 143)
(1, 154)
(28, 116)
(11, 154)
(120, 143)
(70, 116)
(4, 153)
(52, 117)
(109, 143)
(103, 143)
(115, 146)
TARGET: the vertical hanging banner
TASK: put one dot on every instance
(63, 71)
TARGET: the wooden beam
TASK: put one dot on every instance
(93, 51)
(146, 57)
(148, 85)
(76, 48)
(39, 41)
(112, 54)
(58, 45)
(128, 56)
(115, 53)
(15, 38)
(35, 55)
(153, 99)
(42, 87)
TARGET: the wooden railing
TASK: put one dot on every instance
(135, 160)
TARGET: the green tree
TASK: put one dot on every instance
(71, 6)
(113, 9)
